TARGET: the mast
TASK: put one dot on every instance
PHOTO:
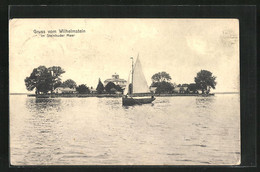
(132, 89)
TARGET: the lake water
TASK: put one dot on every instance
(100, 131)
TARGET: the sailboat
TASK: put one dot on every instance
(137, 91)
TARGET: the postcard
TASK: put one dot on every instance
(124, 91)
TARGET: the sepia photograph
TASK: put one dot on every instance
(124, 91)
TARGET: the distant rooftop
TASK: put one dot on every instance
(115, 78)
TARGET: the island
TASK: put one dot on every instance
(47, 83)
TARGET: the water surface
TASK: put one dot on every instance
(100, 131)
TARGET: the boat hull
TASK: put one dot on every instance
(129, 101)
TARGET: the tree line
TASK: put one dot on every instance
(45, 80)
(110, 88)
(204, 81)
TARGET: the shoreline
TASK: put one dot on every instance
(112, 95)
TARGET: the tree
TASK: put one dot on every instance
(83, 89)
(163, 87)
(185, 85)
(56, 72)
(193, 88)
(205, 80)
(112, 88)
(161, 76)
(112, 91)
(40, 79)
(109, 87)
(57, 84)
(118, 88)
(44, 79)
(161, 81)
(69, 83)
(100, 87)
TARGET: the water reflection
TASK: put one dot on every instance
(41, 104)
(127, 108)
(204, 102)
(43, 133)
(93, 131)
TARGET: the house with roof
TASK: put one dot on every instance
(181, 89)
(92, 90)
(64, 90)
(176, 89)
(116, 80)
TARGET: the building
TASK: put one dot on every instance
(116, 80)
(92, 90)
(176, 89)
(181, 89)
(64, 90)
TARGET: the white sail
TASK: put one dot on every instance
(139, 81)
(127, 85)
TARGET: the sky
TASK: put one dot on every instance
(180, 47)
